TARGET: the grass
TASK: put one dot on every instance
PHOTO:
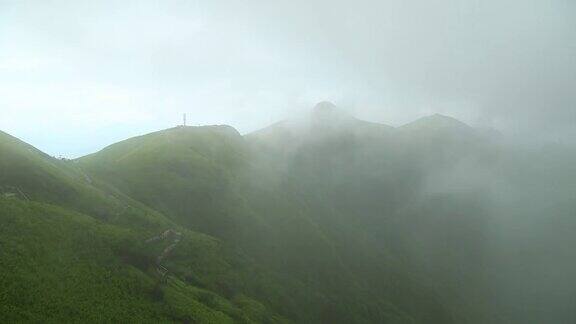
(62, 266)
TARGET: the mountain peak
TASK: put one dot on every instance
(194, 130)
(326, 111)
(325, 106)
(436, 122)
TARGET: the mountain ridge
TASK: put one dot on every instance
(299, 213)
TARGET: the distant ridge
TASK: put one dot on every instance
(436, 122)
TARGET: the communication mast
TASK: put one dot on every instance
(184, 120)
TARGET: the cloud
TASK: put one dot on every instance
(20, 64)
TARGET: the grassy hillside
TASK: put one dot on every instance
(86, 259)
(212, 180)
(181, 172)
(304, 221)
(326, 219)
(31, 174)
(62, 266)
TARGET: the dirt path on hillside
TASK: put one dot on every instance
(176, 238)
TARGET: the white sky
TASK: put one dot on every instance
(76, 76)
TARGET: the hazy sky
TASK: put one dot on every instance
(78, 75)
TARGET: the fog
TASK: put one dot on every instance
(76, 76)
(117, 69)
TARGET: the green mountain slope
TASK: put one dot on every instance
(61, 266)
(86, 259)
(180, 172)
(311, 269)
(387, 199)
(29, 173)
(319, 220)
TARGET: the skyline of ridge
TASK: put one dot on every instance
(120, 136)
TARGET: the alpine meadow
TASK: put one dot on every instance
(367, 162)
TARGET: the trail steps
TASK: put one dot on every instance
(176, 238)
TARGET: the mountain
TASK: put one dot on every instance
(325, 122)
(436, 123)
(38, 176)
(378, 192)
(179, 171)
(74, 248)
(206, 178)
(318, 178)
(319, 219)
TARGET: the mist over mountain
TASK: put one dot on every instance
(326, 161)
(323, 218)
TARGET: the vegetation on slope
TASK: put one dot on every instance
(86, 260)
(208, 179)
(61, 266)
(324, 221)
